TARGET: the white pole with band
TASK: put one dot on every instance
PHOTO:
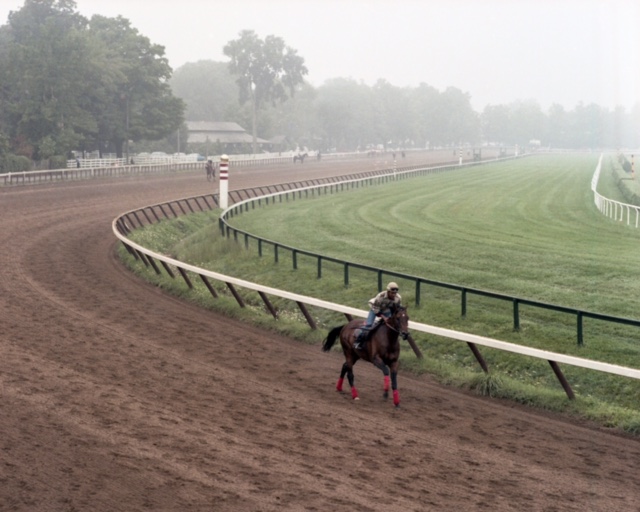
(224, 182)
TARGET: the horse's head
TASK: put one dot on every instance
(401, 321)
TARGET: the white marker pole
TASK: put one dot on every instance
(460, 161)
(224, 182)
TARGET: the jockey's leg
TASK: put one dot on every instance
(359, 344)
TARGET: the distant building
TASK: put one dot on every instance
(228, 134)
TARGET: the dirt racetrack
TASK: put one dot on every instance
(114, 397)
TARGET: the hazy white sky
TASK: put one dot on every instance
(498, 51)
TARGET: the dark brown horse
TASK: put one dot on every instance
(300, 157)
(382, 349)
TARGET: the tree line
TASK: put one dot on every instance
(70, 83)
(346, 114)
(75, 84)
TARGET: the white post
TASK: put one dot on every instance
(460, 160)
(224, 181)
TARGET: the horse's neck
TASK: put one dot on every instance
(391, 333)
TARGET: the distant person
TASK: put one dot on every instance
(78, 163)
(211, 170)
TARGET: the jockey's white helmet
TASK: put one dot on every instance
(391, 286)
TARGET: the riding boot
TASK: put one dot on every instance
(360, 340)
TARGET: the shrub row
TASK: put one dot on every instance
(15, 163)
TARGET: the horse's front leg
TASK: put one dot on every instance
(394, 383)
(385, 370)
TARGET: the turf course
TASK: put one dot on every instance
(526, 228)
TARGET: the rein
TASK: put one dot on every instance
(393, 328)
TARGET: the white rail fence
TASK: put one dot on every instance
(97, 168)
(613, 209)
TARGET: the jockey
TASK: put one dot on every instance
(380, 306)
(211, 170)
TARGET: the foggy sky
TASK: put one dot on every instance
(498, 51)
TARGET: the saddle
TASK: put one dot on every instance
(362, 335)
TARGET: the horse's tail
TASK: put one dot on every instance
(331, 338)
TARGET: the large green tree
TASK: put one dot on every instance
(424, 101)
(459, 123)
(208, 89)
(346, 114)
(267, 71)
(67, 83)
(392, 107)
(48, 70)
(136, 102)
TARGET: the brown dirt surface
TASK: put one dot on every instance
(115, 396)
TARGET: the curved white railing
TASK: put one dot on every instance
(613, 209)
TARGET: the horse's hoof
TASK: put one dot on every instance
(356, 398)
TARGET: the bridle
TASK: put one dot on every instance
(405, 334)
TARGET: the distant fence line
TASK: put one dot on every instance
(240, 160)
(148, 215)
(115, 167)
(613, 209)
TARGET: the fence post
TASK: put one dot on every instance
(224, 182)
(579, 319)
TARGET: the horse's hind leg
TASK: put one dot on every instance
(343, 372)
(348, 371)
